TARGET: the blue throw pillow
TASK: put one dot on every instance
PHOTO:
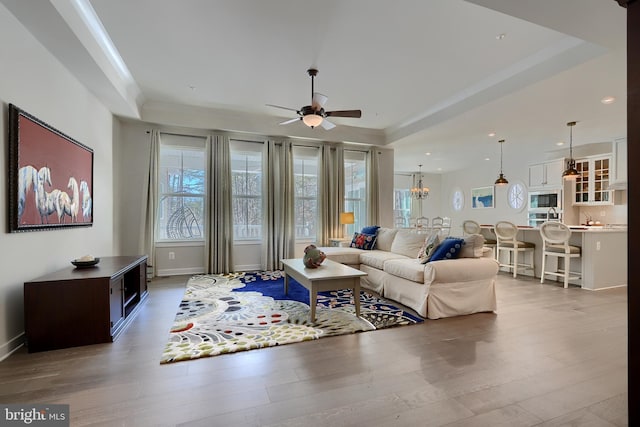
(448, 249)
(363, 241)
(371, 229)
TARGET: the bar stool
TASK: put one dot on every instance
(506, 233)
(422, 225)
(555, 242)
(446, 226)
(472, 227)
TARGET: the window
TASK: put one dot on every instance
(246, 190)
(402, 207)
(182, 178)
(355, 188)
(305, 171)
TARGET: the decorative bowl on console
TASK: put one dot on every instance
(85, 262)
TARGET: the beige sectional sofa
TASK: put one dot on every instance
(436, 289)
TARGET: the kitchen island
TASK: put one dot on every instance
(603, 263)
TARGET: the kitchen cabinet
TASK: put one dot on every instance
(591, 187)
(619, 166)
(547, 175)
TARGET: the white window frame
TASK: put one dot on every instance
(247, 148)
(182, 143)
(306, 153)
(357, 205)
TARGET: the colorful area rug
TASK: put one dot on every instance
(222, 314)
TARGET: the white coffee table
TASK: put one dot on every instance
(330, 276)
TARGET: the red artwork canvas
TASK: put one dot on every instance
(51, 176)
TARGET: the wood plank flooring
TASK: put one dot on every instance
(549, 357)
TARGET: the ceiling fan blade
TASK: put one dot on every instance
(286, 122)
(284, 108)
(344, 113)
(318, 100)
(327, 125)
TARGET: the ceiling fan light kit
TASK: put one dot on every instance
(314, 115)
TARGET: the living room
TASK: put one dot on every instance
(37, 81)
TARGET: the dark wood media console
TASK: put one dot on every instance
(81, 306)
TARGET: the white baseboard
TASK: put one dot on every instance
(248, 267)
(606, 287)
(8, 348)
(179, 271)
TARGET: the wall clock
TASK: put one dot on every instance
(517, 195)
(457, 199)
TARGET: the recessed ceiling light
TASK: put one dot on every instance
(501, 36)
(608, 100)
(486, 158)
(492, 134)
(427, 154)
(560, 143)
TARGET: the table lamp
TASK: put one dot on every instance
(346, 218)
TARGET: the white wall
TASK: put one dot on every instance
(34, 81)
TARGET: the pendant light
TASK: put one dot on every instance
(570, 172)
(501, 179)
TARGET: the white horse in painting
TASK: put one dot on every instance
(86, 200)
(44, 177)
(27, 179)
(56, 201)
(74, 204)
(61, 204)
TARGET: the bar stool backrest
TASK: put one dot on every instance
(555, 233)
(470, 227)
(505, 231)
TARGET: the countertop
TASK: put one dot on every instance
(612, 228)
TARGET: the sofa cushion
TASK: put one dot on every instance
(473, 246)
(410, 269)
(407, 243)
(363, 241)
(371, 229)
(448, 249)
(348, 256)
(377, 258)
(384, 238)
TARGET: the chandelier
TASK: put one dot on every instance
(420, 191)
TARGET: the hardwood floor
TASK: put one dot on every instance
(548, 357)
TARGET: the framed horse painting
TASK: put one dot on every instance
(50, 176)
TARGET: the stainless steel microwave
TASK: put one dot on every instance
(545, 199)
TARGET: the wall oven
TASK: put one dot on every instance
(544, 206)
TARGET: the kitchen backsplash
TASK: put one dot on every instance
(616, 214)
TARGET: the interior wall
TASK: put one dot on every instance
(34, 81)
